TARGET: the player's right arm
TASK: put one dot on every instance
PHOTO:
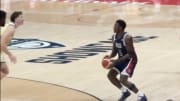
(114, 51)
(5, 40)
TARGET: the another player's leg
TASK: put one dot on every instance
(4, 70)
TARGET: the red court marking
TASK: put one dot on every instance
(162, 2)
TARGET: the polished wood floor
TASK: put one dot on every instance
(84, 30)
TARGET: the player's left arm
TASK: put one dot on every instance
(130, 47)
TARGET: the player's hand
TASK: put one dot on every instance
(112, 62)
(107, 56)
(12, 59)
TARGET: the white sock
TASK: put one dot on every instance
(139, 94)
(123, 89)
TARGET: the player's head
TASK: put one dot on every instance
(2, 17)
(17, 18)
(119, 26)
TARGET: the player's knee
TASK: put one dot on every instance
(6, 72)
(122, 81)
(4, 69)
(110, 75)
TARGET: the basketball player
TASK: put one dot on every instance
(2, 23)
(125, 63)
(6, 36)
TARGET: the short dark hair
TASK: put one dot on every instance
(2, 17)
(121, 23)
(14, 15)
(2, 14)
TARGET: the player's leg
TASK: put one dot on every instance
(128, 72)
(112, 76)
(4, 70)
(131, 86)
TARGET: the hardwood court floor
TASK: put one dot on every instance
(82, 27)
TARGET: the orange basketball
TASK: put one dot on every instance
(105, 62)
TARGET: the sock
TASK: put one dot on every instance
(123, 89)
(139, 94)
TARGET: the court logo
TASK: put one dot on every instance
(17, 43)
(82, 52)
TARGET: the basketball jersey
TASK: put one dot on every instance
(4, 28)
(1, 33)
(120, 44)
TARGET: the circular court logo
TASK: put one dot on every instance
(32, 44)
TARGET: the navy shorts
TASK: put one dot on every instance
(126, 67)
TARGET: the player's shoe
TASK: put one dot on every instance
(124, 96)
(142, 98)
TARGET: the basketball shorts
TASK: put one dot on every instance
(126, 67)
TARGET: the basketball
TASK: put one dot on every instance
(105, 62)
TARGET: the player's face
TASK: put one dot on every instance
(117, 28)
(20, 20)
